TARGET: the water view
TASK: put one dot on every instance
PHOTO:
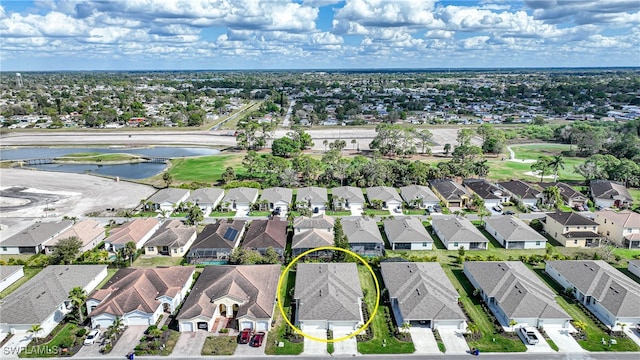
(24, 153)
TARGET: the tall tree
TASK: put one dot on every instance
(129, 251)
(35, 330)
(194, 215)
(168, 178)
(555, 163)
(541, 166)
(67, 250)
(78, 297)
(552, 195)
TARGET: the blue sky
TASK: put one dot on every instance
(310, 34)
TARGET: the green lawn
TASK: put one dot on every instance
(155, 261)
(110, 273)
(594, 333)
(28, 274)
(97, 157)
(51, 348)
(260, 213)
(490, 341)
(208, 169)
(224, 214)
(533, 151)
(381, 334)
(376, 212)
(414, 212)
(277, 334)
(179, 214)
(507, 170)
(219, 345)
(338, 213)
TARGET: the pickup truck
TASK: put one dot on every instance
(528, 335)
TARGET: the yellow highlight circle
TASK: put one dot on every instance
(286, 271)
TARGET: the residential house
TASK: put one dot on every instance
(245, 293)
(140, 296)
(312, 232)
(31, 239)
(347, 197)
(513, 233)
(491, 194)
(216, 242)
(634, 267)
(621, 227)
(9, 275)
(363, 236)
(277, 198)
(328, 296)
(89, 232)
(313, 198)
(44, 299)
(610, 295)
(456, 232)
(572, 229)
(387, 196)
(207, 198)
(607, 193)
(521, 192)
(422, 295)
(137, 231)
(173, 238)
(514, 292)
(570, 196)
(264, 234)
(407, 233)
(239, 199)
(419, 196)
(168, 199)
(450, 192)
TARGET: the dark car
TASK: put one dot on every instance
(276, 211)
(508, 212)
(256, 339)
(245, 336)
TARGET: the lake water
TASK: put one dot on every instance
(125, 171)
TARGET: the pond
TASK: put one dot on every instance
(126, 171)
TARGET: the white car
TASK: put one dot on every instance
(92, 337)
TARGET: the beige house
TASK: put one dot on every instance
(89, 232)
(621, 227)
(173, 238)
(572, 229)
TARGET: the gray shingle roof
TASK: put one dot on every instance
(38, 298)
(312, 193)
(254, 285)
(483, 188)
(169, 195)
(312, 239)
(417, 192)
(262, 234)
(615, 291)
(241, 195)
(384, 193)
(457, 229)
(320, 221)
(449, 189)
(516, 289)
(8, 270)
(571, 218)
(606, 189)
(37, 234)
(353, 194)
(520, 189)
(361, 230)
(566, 191)
(205, 195)
(328, 291)
(406, 230)
(423, 291)
(513, 229)
(277, 194)
(213, 235)
(172, 233)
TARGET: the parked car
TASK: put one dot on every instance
(276, 211)
(528, 335)
(92, 337)
(256, 339)
(497, 208)
(245, 336)
(534, 208)
(508, 212)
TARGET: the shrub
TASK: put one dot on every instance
(81, 332)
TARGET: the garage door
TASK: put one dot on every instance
(186, 326)
(313, 325)
(246, 324)
(137, 320)
(103, 323)
(262, 326)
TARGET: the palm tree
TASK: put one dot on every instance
(480, 168)
(512, 323)
(325, 142)
(556, 162)
(35, 329)
(474, 329)
(405, 327)
(155, 333)
(552, 195)
(130, 250)
(542, 166)
(580, 325)
(115, 328)
(78, 296)
(447, 148)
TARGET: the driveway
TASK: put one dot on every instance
(345, 347)
(356, 211)
(250, 351)
(423, 340)
(91, 351)
(633, 334)
(129, 340)
(190, 343)
(453, 340)
(563, 339)
(541, 347)
(312, 347)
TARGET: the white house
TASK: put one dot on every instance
(456, 232)
(312, 197)
(206, 198)
(407, 233)
(347, 197)
(610, 295)
(9, 275)
(139, 296)
(513, 233)
(277, 198)
(389, 197)
(240, 199)
(634, 267)
(167, 199)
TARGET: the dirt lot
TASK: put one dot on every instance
(31, 193)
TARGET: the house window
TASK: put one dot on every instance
(175, 251)
(4, 248)
(424, 244)
(181, 249)
(594, 228)
(575, 242)
(537, 243)
(566, 228)
(150, 248)
(455, 244)
(608, 233)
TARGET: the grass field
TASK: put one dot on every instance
(208, 169)
(219, 345)
(152, 262)
(97, 157)
(277, 334)
(533, 151)
(28, 274)
(507, 170)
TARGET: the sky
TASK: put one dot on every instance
(50, 35)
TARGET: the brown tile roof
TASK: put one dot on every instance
(571, 218)
(172, 233)
(138, 289)
(217, 236)
(132, 231)
(266, 233)
(253, 285)
(85, 231)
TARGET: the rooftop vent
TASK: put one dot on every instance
(418, 291)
